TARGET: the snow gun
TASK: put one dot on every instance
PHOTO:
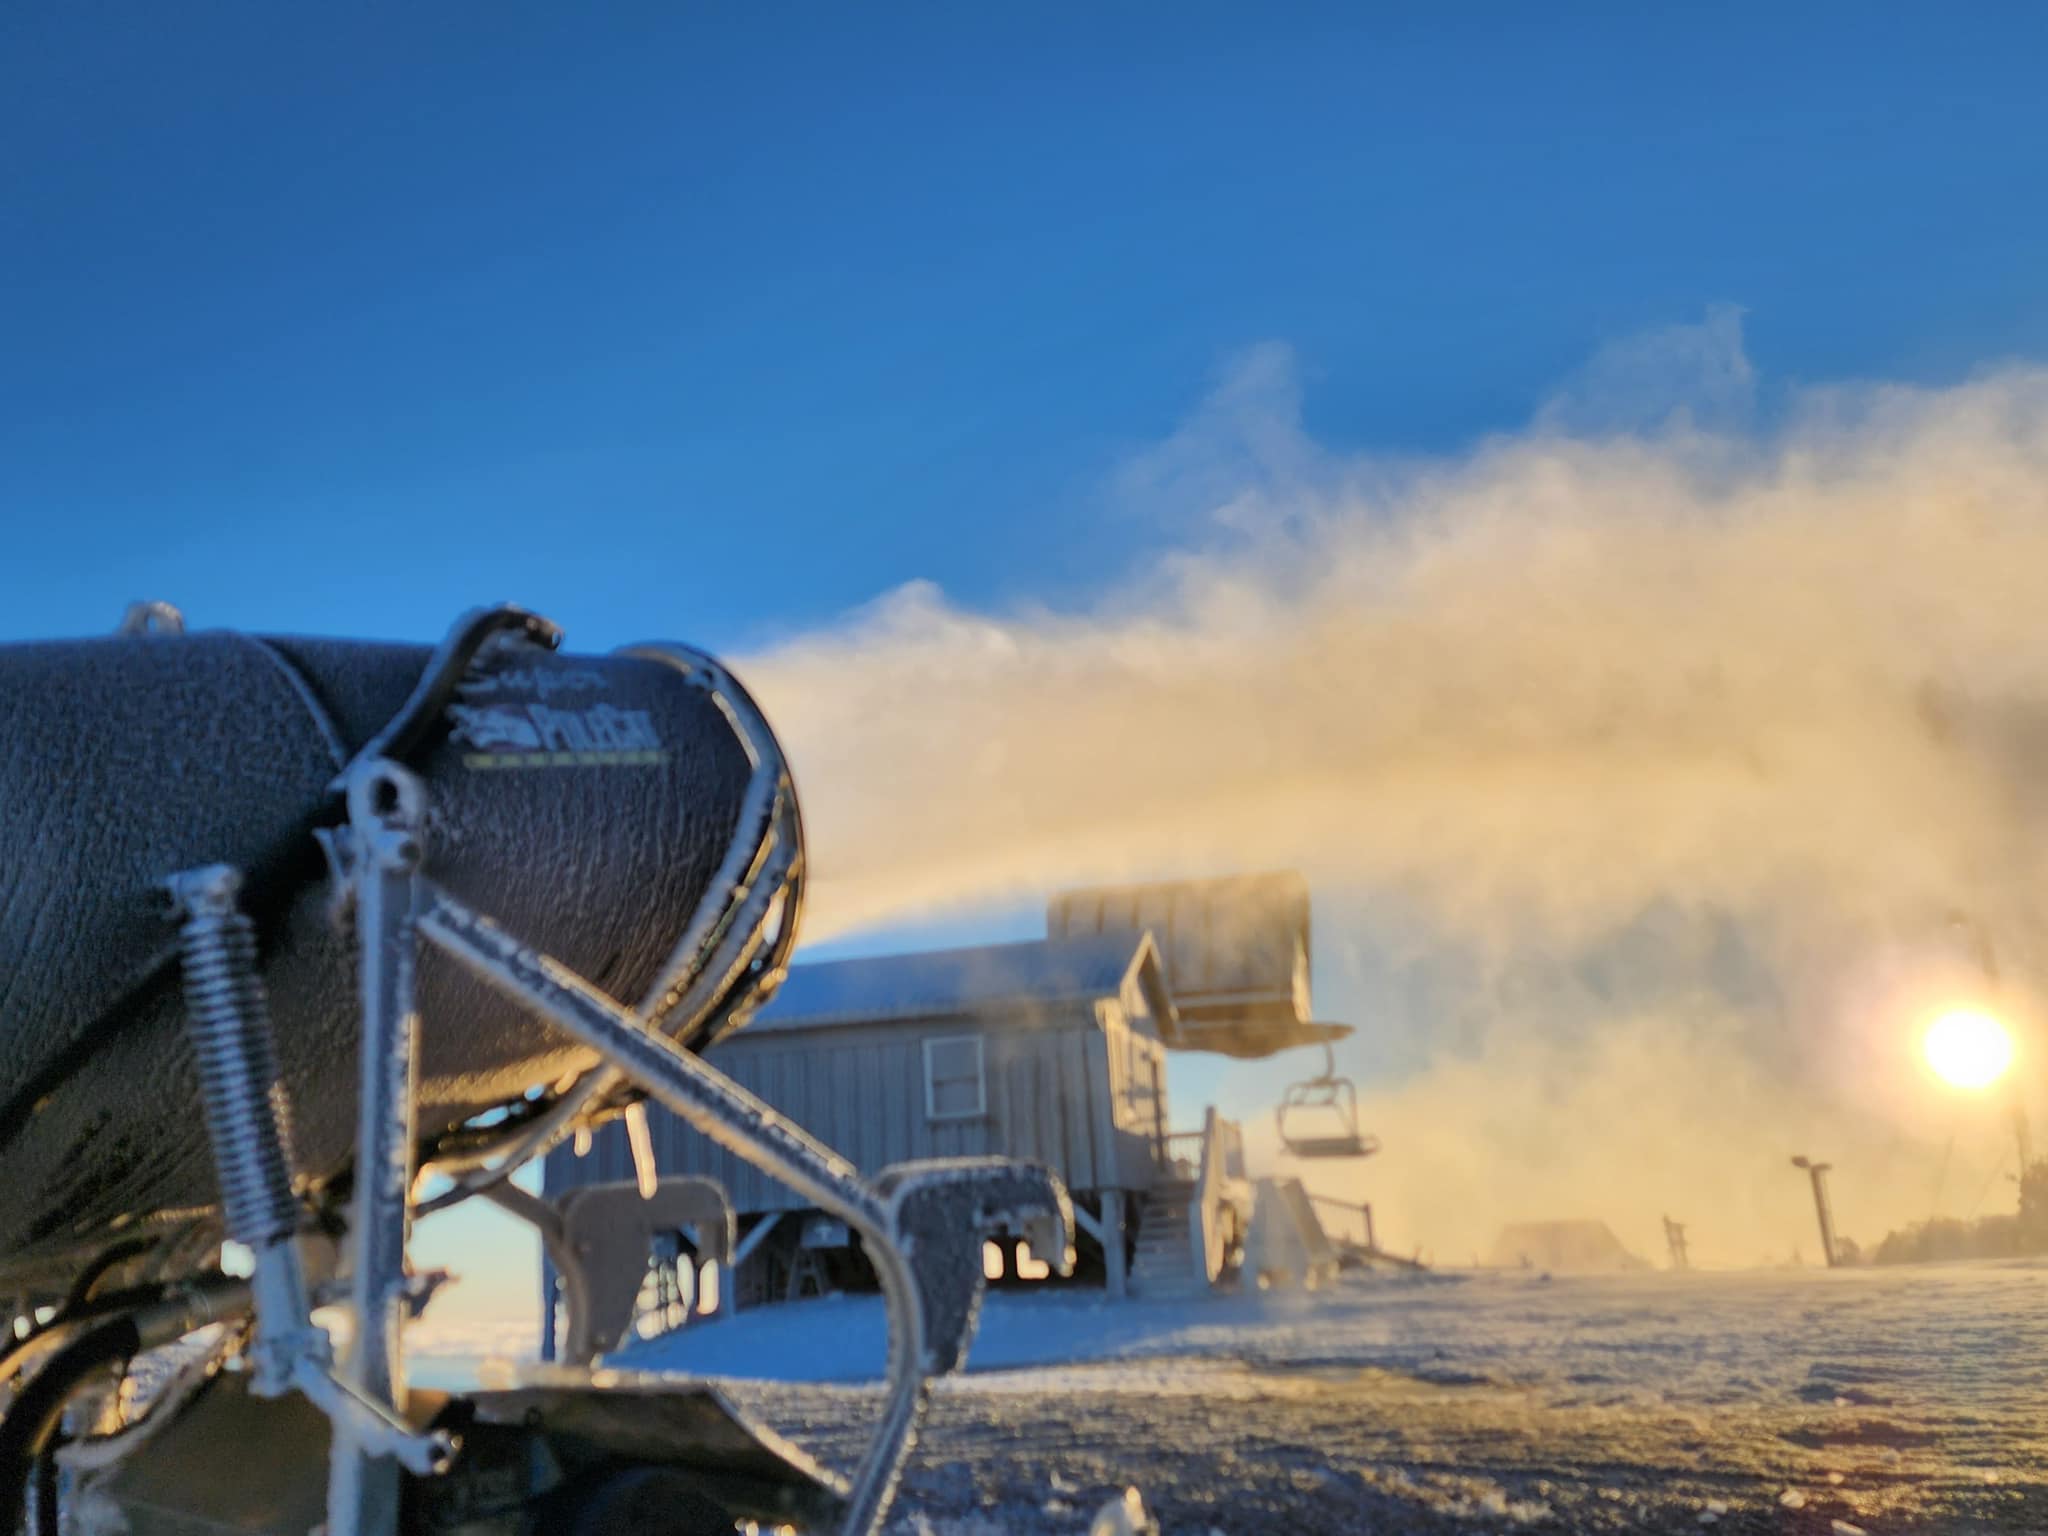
(302, 939)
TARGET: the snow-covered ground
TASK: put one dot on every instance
(1889, 1400)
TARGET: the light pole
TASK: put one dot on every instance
(1819, 1174)
(1674, 1238)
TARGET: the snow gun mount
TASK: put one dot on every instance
(297, 930)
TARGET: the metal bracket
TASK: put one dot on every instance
(151, 617)
(943, 1209)
(598, 1237)
(421, 713)
(726, 962)
(938, 1211)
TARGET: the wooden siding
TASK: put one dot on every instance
(1071, 1088)
(1137, 1109)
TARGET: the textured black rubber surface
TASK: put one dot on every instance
(584, 802)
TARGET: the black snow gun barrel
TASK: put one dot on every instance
(629, 814)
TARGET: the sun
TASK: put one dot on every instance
(1968, 1049)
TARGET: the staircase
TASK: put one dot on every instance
(1164, 1265)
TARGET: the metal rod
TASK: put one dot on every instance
(733, 1118)
(385, 805)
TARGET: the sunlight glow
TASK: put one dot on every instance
(1968, 1049)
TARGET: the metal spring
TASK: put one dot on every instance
(228, 1019)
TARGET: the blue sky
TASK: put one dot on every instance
(344, 324)
(719, 321)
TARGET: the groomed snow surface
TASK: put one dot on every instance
(1784, 1402)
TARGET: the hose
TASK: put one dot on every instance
(37, 1413)
(207, 1298)
(88, 1279)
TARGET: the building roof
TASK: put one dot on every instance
(1234, 952)
(949, 982)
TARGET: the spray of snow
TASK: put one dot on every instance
(1663, 649)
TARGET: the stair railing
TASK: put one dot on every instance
(1179, 1153)
(1221, 1196)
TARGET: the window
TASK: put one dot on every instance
(953, 1084)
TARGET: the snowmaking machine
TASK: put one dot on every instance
(300, 938)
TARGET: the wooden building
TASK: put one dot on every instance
(1052, 1050)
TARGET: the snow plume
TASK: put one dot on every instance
(1791, 669)
(1670, 1068)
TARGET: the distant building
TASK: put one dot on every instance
(1053, 1050)
(1562, 1246)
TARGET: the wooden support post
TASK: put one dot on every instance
(548, 1287)
(1115, 1266)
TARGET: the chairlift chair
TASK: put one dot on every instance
(1318, 1118)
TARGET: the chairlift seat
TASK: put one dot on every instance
(1329, 1105)
(1353, 1145)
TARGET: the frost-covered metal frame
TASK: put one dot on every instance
(730, 957)
(939, 1211)
(921, 1225)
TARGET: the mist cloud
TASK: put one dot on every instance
(1646, 650)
